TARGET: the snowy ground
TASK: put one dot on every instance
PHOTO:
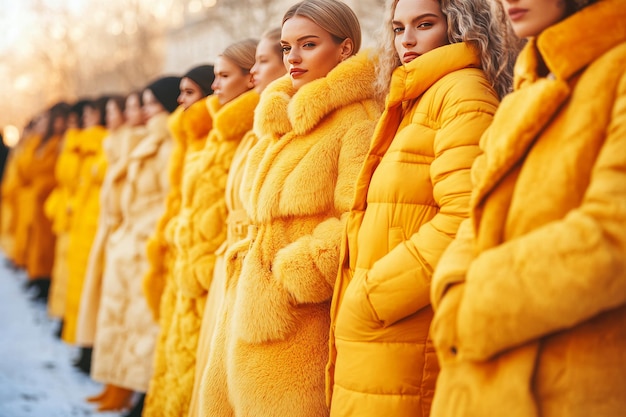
(37, 378)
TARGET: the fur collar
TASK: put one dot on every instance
(234, 118)
(574, 43)
(282, 109)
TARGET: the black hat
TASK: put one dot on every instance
(166, 90)
(204, 76)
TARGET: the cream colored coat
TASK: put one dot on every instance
(533, 322)
(126, 332)
(117, 147)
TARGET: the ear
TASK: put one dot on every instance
(250, 82)
(346, 49)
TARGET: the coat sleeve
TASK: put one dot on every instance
(398, 284)
(559, 275)
(307, 268)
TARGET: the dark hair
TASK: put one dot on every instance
(61, 109)
(77, 109)
(120, 101)
(99, 104)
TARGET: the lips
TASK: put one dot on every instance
(409, 56)
(516, 14)
(296, 72)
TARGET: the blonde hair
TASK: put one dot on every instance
(334, 16)
(273, 35)
(242, 54)
(472, 22)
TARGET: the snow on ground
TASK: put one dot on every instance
(37, 378)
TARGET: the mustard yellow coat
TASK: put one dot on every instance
(84, 222)
(199, 230)
(23, 201)
(236, 230)
(59, 208)
(116, 147)
(126, 331)
(536, 323)
(299, 182)
(160, 247)
(412, 194)
(41, 240)
(8, 209)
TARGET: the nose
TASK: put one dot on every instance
(179, 99)
(408, 38)
(216, 83)
(293, 57)
(253, 70)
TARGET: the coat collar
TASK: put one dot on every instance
(234, 118)
(282, 109)
(567, 48)
(413, 79)
(574, 43)
(157, 132)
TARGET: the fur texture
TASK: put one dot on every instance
(537, 314)
(298, 181)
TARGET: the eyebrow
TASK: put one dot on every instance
(300, 39)
(416, 18)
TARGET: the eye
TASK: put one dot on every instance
(425, 25)
(309, 45)
(398, 30)
(286, 49)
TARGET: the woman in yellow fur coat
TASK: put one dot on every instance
(198, 231)
(531, 297)
(41, 239)
(85, 211)
(268, 66)
(443, 69)
(58, 207)
(314, 128)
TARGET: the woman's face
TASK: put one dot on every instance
(268, 65)
(190, 92)
(151, 106)
(230, 81)
(419, 26)
(531, 17)
(114, 116)
(133, 111)
(310, 52)
(91, 116)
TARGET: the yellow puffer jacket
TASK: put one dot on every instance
(412, 194)
(41, 241)
(203, 213)
(299, 180)
(536, 323)
(84, 224)
(58, 208)
(8, 208)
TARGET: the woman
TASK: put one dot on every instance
(267, 67)
(531, 297)
(314, 127)
(126, 332)
(189, 124)
(125, 124)
(198, 230)
(38, 181)
(444, 73)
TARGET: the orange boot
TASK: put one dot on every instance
(117, 398)
(99, 397)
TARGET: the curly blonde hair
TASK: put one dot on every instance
(476, 22)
